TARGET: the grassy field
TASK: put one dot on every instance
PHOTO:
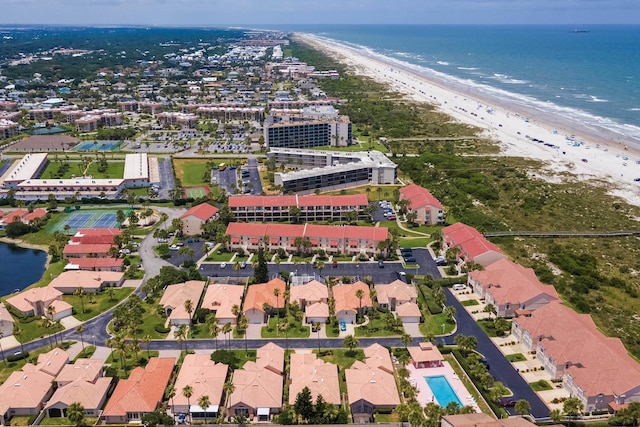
(375, 193)
(191, 171)
(541, 385)
(98, 303)
(115, 169)
(296, 330)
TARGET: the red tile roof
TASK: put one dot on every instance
(93, 239)
(99, 232)
(311, 200)
(143, 390)
(468, 239)
(91, 263)
(419, 197)
(203, 211)
(309, 230)
(261, 293)
(85, 249)
(37, 213)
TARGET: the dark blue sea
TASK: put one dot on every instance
(19, 267)
(591, 75)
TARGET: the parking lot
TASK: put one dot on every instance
(166, 178)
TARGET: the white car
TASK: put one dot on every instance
(173, 247)
(223, 265)
(459, 287)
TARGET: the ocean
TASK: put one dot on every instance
(589, 74)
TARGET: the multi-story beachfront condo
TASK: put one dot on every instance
(316, 126)
(331, 170)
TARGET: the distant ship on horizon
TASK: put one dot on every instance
(577, 30)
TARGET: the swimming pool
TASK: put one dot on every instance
(442, 390)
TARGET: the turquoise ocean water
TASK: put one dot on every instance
(591, 75)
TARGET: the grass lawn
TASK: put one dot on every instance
(541, 385)
(219, 256)
(34, 330)
(130, 361)
(332, 331)
(469, 302)
(393, 225)
(115, 169)
(517, 357)
(101, 302)
(432, 324)
(20, 420)
(386, 418)
(191, 172)
(420, 242)
(375, 193)
(468, 384)
(87, 352)
(342, 258)
(87, 421)
(377, 327)
(488, 326)
(149, 321)
(296, 330)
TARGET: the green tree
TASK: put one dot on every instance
(261, 272)
(204, 402)
(80, 293)
(75, 413)
(491, 309)
(522, 407)
(406, 339)
(304, 405)
(351, 342)
(187, 391)
(188, 306)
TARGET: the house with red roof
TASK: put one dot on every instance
(95, 264)
(247, 208)
(22, 215)
(36, 301)
(428, 209)
(196, 216)
(511, 288)
(79, 250)
(139, 394)
(347, 303)
(345, 239)
(594, 368)
(260, 300)
(472, 245)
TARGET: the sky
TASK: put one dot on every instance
(217, 13)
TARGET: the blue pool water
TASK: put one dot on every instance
(442, 390)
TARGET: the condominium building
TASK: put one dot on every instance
(316, 126)
(331, 170)
(309, 208)
(8, 129)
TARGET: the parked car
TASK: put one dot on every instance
(459, 287)
(243, 264)
(173, 247)
(343, 326)
(381, 264)
(441, 262)
(335, 264)
(508, 403)
(409, 259)
(223, 265)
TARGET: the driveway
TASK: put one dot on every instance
(413, 329)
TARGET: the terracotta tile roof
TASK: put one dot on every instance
(378, 356)
(83, 369)
(316, 310)
(284, 201)
(80, 249)
(313, 291)
(271, 356)
(52, 361)
(261, 293)
(5, 316)
(203, 211)
(205, 376)
(256, 387)
(25, 301)
(375, 234)
(397, 289)
(24, 390)
(408, 309)
(221, 298)
(91, 263)
(484, 420)
(425, 352)
(467, 238)
(345, 296)
(98, 232)
(93, 239)
(143, 390)
(306, 370)
(419, 197)
(508, 282)
(37, 213)
(89, 395)
(175, 296)
(89, 280)
(367, 382)
(598, 364)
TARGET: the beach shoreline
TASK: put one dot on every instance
(564, 145)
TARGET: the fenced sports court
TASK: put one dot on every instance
(98, 146)
(87, 219)
(196, 192)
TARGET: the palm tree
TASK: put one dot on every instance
(204, 403)
(75, 413)
(351, 342)
(214, 328)
(406, 339)
(171, 393)
(243, 324)
(17, 331)
(360, 295)
(147, 341)
(80, 293)
(188, 306)
(284, 326)
(80, 330)
(181, 335)
(187, 392)
(226, 329)
(276, 293)
(491, 309)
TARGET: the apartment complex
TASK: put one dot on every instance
(309, 208)
(331, 170)
(316, 126)
(428, 209)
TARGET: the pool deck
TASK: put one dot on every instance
(416, 377)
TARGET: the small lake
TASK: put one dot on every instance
(19, 267)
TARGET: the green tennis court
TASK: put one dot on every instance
(90, 218)
(196, 192)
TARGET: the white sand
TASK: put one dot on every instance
(596, 156)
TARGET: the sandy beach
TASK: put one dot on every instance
(590, 154)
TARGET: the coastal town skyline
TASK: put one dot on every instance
(285, 12)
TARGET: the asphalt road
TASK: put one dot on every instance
(166, 178)
(254, 177)
(176, 259)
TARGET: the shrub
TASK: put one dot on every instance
(161, 329)
(19, 356)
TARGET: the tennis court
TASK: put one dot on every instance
(98, 146)
(86, 219)
(196, 192)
